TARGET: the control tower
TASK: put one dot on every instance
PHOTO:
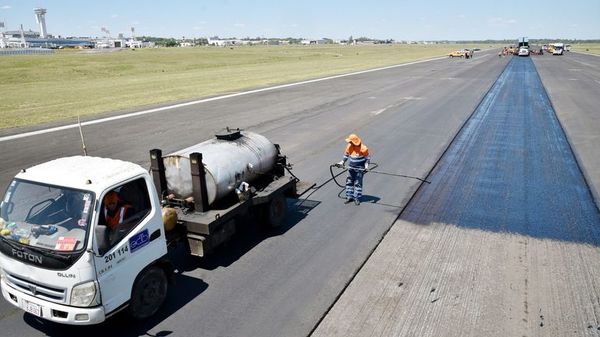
(40, 17)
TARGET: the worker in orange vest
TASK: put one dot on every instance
(115, 211)
(357, 155)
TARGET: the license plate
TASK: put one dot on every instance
(33, 309)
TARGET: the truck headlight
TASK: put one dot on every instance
(84, 295)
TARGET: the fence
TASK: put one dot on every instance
(25, 51)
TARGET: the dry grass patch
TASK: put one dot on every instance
(58, 87)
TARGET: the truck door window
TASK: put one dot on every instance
(122, 209)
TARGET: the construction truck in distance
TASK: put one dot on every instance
(523, 46)
(558, 48)
(62, 261)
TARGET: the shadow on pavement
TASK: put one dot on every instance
(250, 235)
(184, 290)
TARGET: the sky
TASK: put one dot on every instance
(401, 20)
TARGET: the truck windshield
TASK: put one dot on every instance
(48, 217)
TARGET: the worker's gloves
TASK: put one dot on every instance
(340, 164)
(366, 166)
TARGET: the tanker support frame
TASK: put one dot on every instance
(203, 227)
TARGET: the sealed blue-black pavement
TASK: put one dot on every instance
(511, 169)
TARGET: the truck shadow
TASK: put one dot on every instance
(248, 237)
(182, 292)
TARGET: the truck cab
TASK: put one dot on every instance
(59, 259)
(558, 49)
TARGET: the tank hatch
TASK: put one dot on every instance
(229, 134)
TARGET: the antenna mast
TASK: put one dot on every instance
(81, 134)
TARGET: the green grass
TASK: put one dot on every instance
(49, 88)
(593, 48)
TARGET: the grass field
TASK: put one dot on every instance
(593, 48)
(49, 88)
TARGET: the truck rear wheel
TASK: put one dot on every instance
(148, 293)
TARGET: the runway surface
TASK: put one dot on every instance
(503, 242)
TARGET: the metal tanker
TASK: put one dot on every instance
(232, 157)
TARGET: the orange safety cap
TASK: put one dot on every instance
(354, 139)
(111, 198)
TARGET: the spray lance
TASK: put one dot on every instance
(372, 168)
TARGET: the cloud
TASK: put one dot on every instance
(114, 16)
(240, 25)
(6, 7)
(461, 16)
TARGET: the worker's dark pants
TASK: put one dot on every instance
(354, 183)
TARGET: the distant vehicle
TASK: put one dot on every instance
(523, 42)
(457, 53)
(558, 49)
(523, 52)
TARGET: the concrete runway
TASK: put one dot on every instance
(503, 242)
(281, 283)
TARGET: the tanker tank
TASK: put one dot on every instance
(228, 159)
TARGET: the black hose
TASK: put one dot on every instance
(399, 175)
(333, 176)
(373, 165)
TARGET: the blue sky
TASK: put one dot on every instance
(337, 19)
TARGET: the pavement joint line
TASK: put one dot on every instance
(205, 100)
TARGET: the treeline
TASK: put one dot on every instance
(172, 42)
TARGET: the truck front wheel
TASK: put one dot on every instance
(148, 293)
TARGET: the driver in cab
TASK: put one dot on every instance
(115, 211)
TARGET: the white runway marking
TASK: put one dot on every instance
(175, 106)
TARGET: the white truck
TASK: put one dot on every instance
(60, 261)
(558, 48)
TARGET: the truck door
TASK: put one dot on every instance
(126, 239)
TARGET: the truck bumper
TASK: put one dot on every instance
(52, 311)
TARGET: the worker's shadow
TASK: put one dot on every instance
(249, 235)
(364, 199)
(182, 291)
(369, 199)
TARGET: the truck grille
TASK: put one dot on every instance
(36, 289)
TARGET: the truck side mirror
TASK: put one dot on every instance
(101, 234)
